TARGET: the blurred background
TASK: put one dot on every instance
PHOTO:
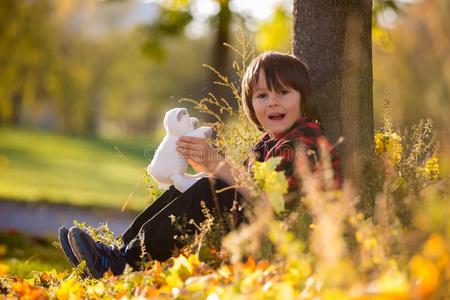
(84, 84)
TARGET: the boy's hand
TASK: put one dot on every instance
(203, 157)
(200, 155)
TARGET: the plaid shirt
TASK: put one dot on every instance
(303, 136)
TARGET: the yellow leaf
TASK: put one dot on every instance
(272, 182)
(175, 4)
(283, 290)
(4, 269)
(435, 246)
(382, 37)
(69, 289)
(193, 260)
(199, 283)
(334, 294)
(250, 265)
(173, 280)
(252, 281)
(392, 282)
(225, 271)
(426, 273)
(182, 267)
(99, 288)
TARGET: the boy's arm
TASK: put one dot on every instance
(202, 157)
(223, 170)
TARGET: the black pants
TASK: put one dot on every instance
(154, 229)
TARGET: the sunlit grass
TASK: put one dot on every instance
(23, 255)
(37, 165)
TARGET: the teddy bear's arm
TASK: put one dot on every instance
(183, 181)
(202, 132)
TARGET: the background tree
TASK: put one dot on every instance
(67, 73)
(334, 39)
(174, 17)
(23, 54)
(412, 65)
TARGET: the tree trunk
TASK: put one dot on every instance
(334, 38)
(220, 55)
(16, 105)
(220, 52)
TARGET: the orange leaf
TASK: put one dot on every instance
(250, 264)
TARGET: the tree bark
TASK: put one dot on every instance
(220, 55)
(220, 52)
(334, 38)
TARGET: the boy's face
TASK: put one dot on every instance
(276, 111)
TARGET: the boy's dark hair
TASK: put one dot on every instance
(280, 70)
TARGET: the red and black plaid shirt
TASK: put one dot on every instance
(303, 135)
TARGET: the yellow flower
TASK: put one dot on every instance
(431, 169)
(379, 143)
(389, 143)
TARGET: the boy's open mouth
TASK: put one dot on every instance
(276, 116)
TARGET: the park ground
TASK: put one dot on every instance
(53, 179)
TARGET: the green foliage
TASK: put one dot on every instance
(275, 33)
(153, 189)
(170, 24)
(410, 163)
(21, 60)
(101, 233)
(60, 76)
(412, 71)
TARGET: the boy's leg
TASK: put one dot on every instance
(100, 257)
(157, 233)
(148, 213)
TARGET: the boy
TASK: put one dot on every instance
(276, 97)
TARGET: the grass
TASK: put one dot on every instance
(24, 255)
(38, 165)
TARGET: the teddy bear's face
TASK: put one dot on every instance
(177, 122)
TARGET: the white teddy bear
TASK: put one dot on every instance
(168, 166)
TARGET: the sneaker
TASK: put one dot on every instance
(99, 257)
(63, 238)
(68, 252)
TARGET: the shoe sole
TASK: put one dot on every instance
(68, 252)
(63, 237)
(76, 238)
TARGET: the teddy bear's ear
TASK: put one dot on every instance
(195, 122)
(181, 113)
